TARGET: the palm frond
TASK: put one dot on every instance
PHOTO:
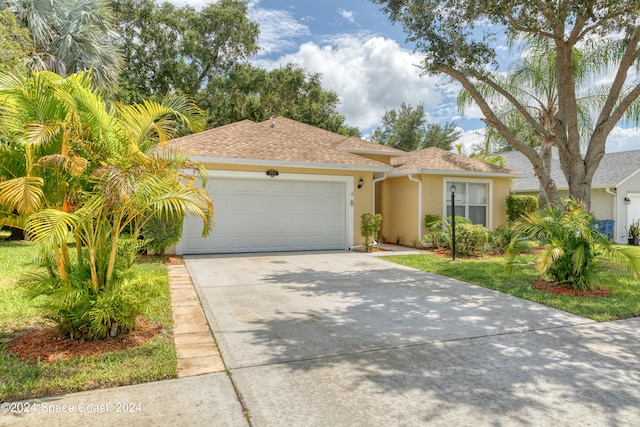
(49, 227)
(23, 194)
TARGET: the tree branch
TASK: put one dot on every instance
(490, 116)
(513, 101)
(626, 62)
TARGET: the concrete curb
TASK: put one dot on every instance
(195, 345)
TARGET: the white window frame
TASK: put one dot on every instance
(447, 195)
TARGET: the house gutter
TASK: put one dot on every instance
(376, 180)
(419, 181)
(291, 164)
(615, 212)
(452, 172)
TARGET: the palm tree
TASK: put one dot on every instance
(532, 81)
(80, 165)
(70, 36)
(570, 245)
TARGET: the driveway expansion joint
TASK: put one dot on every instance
(414, 345)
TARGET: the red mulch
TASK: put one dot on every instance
(563, 289)
(48, 344)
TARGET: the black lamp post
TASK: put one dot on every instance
(453, 222)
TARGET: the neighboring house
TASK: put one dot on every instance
(615, 189)
(282, 185)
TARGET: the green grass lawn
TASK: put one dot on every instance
(153, 360)
(624, 291)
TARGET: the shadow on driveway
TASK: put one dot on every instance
(351, 340)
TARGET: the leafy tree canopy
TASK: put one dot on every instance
(457, 38)
(202, 54)
(407, 129)
(170, 49)
(70, 36)
(248, 92)
(15, 46)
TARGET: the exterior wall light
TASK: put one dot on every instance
(273, 173)
(360, 183)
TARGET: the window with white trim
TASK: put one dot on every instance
(471, 200)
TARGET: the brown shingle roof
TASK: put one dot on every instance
(295, 129)
(294, 142)
(437, 159)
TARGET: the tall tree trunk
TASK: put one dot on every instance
(546, 155)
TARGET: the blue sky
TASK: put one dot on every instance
(364, 58)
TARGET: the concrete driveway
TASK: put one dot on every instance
(349, 339)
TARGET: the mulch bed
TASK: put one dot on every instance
(46, 343)
(562, 289)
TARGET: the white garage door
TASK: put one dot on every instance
(271, 214)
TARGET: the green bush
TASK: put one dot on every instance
(80, 311)
(504, 237)
(163, 231)
(571, 246)
(429, 219)
(439, 233)
(369, 228)
(518, 205)
(471, 239)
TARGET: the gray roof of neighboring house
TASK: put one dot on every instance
(613, 170)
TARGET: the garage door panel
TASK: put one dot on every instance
(254, 215)
(299, 187)
(260, 186)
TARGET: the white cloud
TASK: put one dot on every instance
(471, 138)
(349, 15)
(371, 75)
(196, 4)
(278, 29)
(621, 139)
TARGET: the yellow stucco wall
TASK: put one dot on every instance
(500, 193)
(399, 210)
(399, 205)
(362, 197)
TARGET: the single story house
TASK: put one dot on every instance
(615, 190)
(281, 185)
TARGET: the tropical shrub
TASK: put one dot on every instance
(81, 312)
(81, 167)
(471, 239)
(570, 246)
(518, 205)
(162, 231)
(503, 237)
(369, 228)
(439, 234)
(429, 219)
